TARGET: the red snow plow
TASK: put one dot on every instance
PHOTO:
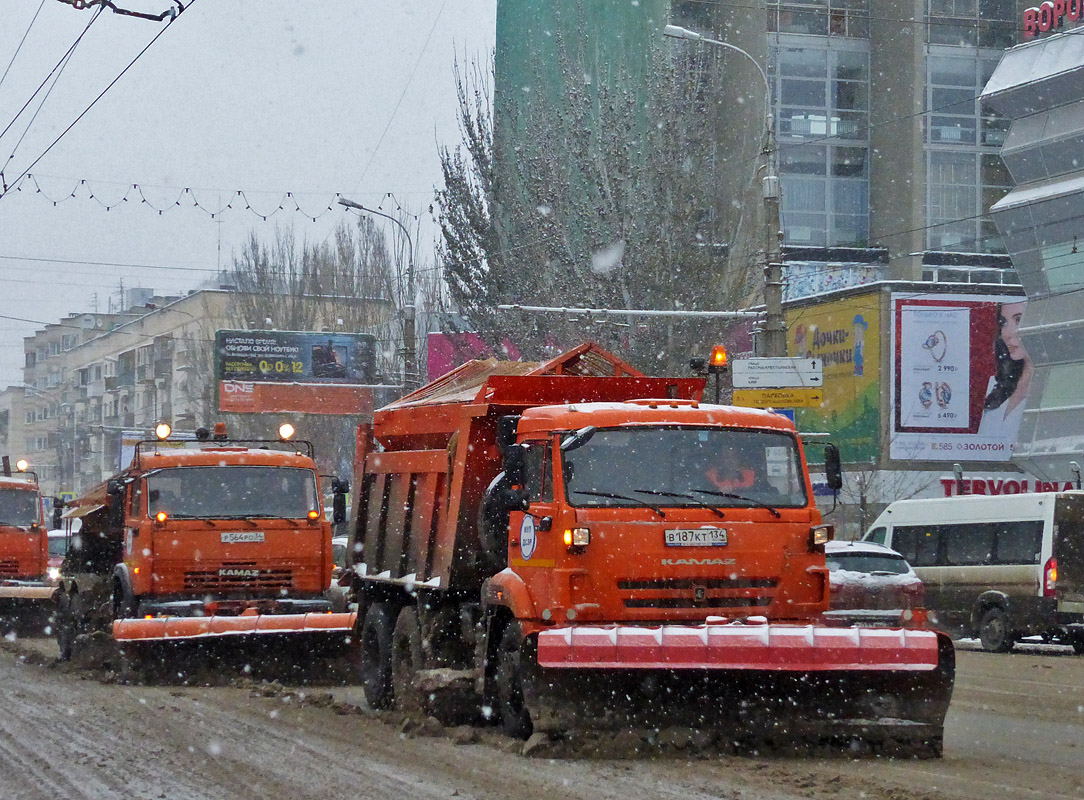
(586, 547)
(202, 539)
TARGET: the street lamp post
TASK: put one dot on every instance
(409, 346)
(775, 341)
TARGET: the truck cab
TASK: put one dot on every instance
(653, 511)
(200, 529)
(24, 552)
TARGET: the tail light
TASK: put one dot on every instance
(1050, 577)
(915, 593)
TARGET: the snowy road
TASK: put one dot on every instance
(1015, 730)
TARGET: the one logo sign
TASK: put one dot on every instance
(527, 538)
(237, 387)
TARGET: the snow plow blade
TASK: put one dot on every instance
(746, 683)
(182, 628)
(26, 592)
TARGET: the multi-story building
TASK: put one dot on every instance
(94, 383)
(888, 157)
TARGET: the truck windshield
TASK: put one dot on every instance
(19, 507)
(232, 492)
(680, 466)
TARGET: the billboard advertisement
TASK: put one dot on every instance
(845, 335)
(961, 376)
(295, 357)
(295, 371)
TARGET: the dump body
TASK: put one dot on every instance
(633, 550)
(24, 548)
(187, 536)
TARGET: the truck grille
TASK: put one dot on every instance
(741, 594)
(245, 576)
(9, 567)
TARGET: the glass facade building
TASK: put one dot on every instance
(1040, 87)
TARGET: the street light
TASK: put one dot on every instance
(409, 348)
(775, 341)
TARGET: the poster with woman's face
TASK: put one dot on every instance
(960, 378)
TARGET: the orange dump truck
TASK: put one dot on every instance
(202, 539)
(24, 544)
(582, 546)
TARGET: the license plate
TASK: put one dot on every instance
(242, 536)
(696, 537)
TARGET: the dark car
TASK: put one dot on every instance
(864, 576)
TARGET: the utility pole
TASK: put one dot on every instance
(410, 375)
(775, 329)
(774, 342)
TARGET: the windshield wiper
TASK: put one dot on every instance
(241, 517)
(615, 496)
(732, 496)
(696, 500)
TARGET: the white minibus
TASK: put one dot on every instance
(997, 567)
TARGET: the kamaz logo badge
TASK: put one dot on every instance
(697, 562)
(238, 573)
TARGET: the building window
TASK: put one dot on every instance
(827, 18)
(975, 23)
(964, 172)
(822, 107)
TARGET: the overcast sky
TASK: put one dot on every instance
(268, 97)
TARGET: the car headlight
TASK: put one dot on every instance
(53, 573)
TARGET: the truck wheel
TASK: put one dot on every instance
(124, 604)
(994, 631)
(1077, 641)
(65, 626)
(406, 660)
(515, 717)
(376, 633)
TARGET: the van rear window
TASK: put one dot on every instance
(970, 544)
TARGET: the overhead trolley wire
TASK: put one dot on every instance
(21, 41)
(101, 94)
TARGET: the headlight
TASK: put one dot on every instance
(820, 535)
(53, 573)
(577, 537)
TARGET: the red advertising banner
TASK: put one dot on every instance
(249, 397)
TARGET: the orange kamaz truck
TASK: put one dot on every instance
(577, 545)
(200, 540)
(24, 544)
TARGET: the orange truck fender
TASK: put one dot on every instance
(507, 589)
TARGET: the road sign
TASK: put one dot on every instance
(778, 373)
(801, 397)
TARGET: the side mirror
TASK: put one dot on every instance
(833, 468)
(515, 464)
(338, 508)
(340, 485)
(58, 512)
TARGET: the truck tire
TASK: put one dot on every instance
(65, 626)
(124, 604)
(994, 631)
(511, 705)
(406, 659)
(376, 631)
(493, 526)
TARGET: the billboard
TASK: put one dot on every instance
(295, 371)
(845, 335)
(961, 376)
(295, 357)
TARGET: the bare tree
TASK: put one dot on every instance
(607, 197)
